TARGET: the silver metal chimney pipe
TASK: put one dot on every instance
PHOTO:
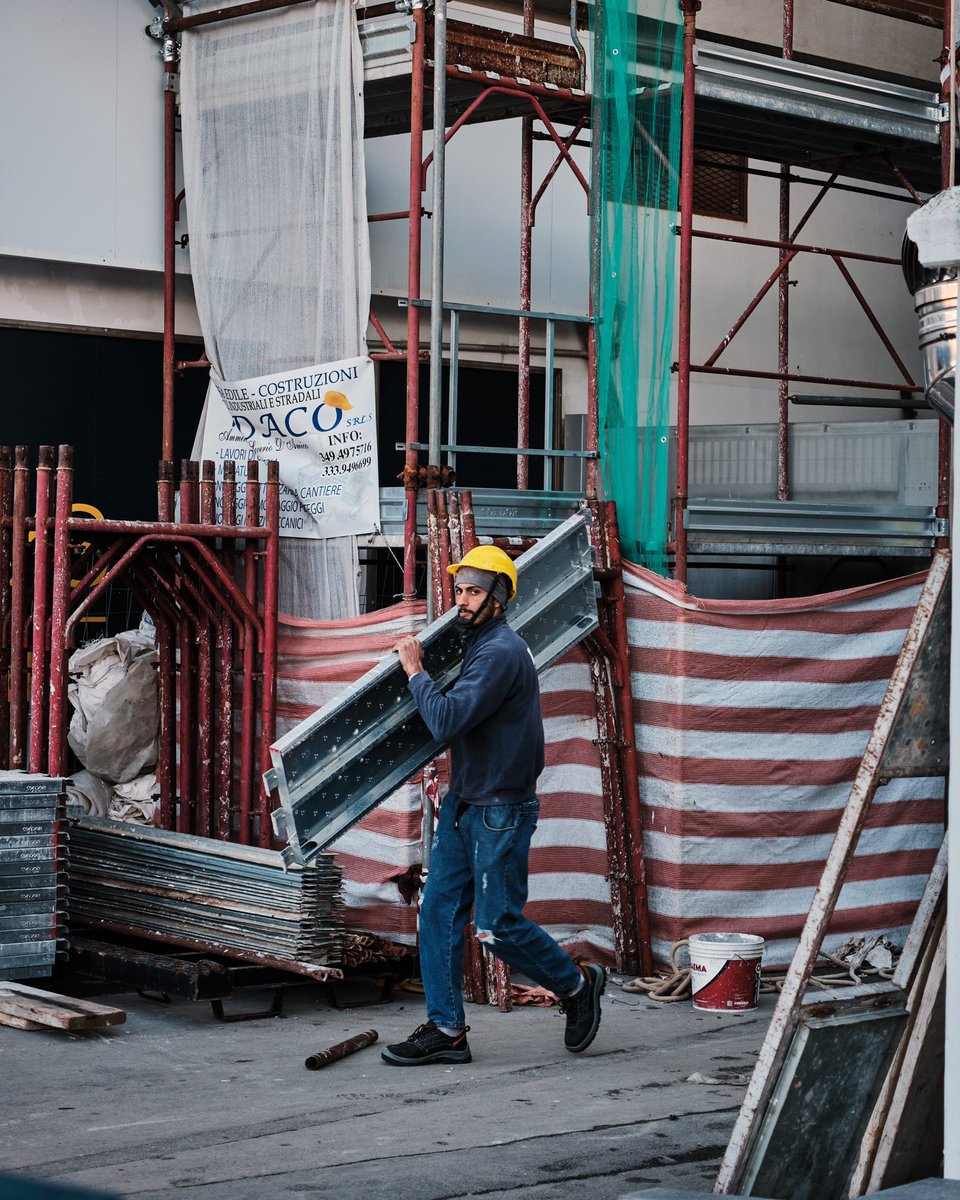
(935, 299)
(936, 307)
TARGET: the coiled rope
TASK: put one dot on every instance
(677, 985)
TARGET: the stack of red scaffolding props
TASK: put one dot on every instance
(210, 588)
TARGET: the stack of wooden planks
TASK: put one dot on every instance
(24, 1007)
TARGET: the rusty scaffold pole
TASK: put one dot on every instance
(526, 254)
(948, 96)
(415, 219)
(690, 8)
(783, 301)
(171, 87)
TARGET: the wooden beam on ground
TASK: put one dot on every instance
(25, 1007)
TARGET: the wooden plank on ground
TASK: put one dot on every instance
(40, 1013)
(49, 1010)
(19, 1022)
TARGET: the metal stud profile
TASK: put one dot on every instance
(338, 764)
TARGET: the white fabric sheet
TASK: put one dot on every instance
(272, 114)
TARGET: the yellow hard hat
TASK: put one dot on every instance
(489, 558)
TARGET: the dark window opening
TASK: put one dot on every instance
(104, 397)
(720, 185)
(486, 416)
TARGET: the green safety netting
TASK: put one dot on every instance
(637, 84)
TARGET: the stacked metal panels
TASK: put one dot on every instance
(32, 874)
(219, 897)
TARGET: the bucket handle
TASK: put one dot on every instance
(686, 942)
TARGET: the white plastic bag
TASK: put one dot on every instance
(113, 690)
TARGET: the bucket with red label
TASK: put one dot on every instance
(724, 970)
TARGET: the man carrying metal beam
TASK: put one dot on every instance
(492, 719)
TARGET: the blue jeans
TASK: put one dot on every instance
(479, 858)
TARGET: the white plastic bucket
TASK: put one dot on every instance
(725, 970)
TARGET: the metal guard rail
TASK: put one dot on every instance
(797, 527)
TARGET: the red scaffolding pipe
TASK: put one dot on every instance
(38, 663)
(413, 310)
(792, 377)
(690, 9)
(783, 299)
(171, 68)
(783, 324)
(18, 613)
(947, 92)
(59, 607)
(526, 249)
(248, 721)
(6, 508)
(786, 244)
(251, 9)
(268, 681)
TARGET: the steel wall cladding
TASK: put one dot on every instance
(33, 891)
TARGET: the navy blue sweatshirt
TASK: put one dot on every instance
(490, 717)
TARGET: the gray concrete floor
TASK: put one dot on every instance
(176, 1103)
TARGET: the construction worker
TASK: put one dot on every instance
(492, 720)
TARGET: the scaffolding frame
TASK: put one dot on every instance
(530, 99)
(788, 247)
(540, 100)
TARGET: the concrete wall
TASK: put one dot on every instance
(83, 118)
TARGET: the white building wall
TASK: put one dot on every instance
(83, 120)
(825, 29)
(829, 333)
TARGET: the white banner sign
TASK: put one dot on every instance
(320, 424)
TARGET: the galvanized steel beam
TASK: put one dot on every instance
(334, 767)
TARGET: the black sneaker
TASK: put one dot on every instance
(428, 1044)
(583, 1009)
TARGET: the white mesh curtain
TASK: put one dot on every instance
(272, 110)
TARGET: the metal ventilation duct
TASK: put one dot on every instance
(936, 307)
(935, 299)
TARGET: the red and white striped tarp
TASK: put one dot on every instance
(751, 720)
(569, 889)
(569, 894)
